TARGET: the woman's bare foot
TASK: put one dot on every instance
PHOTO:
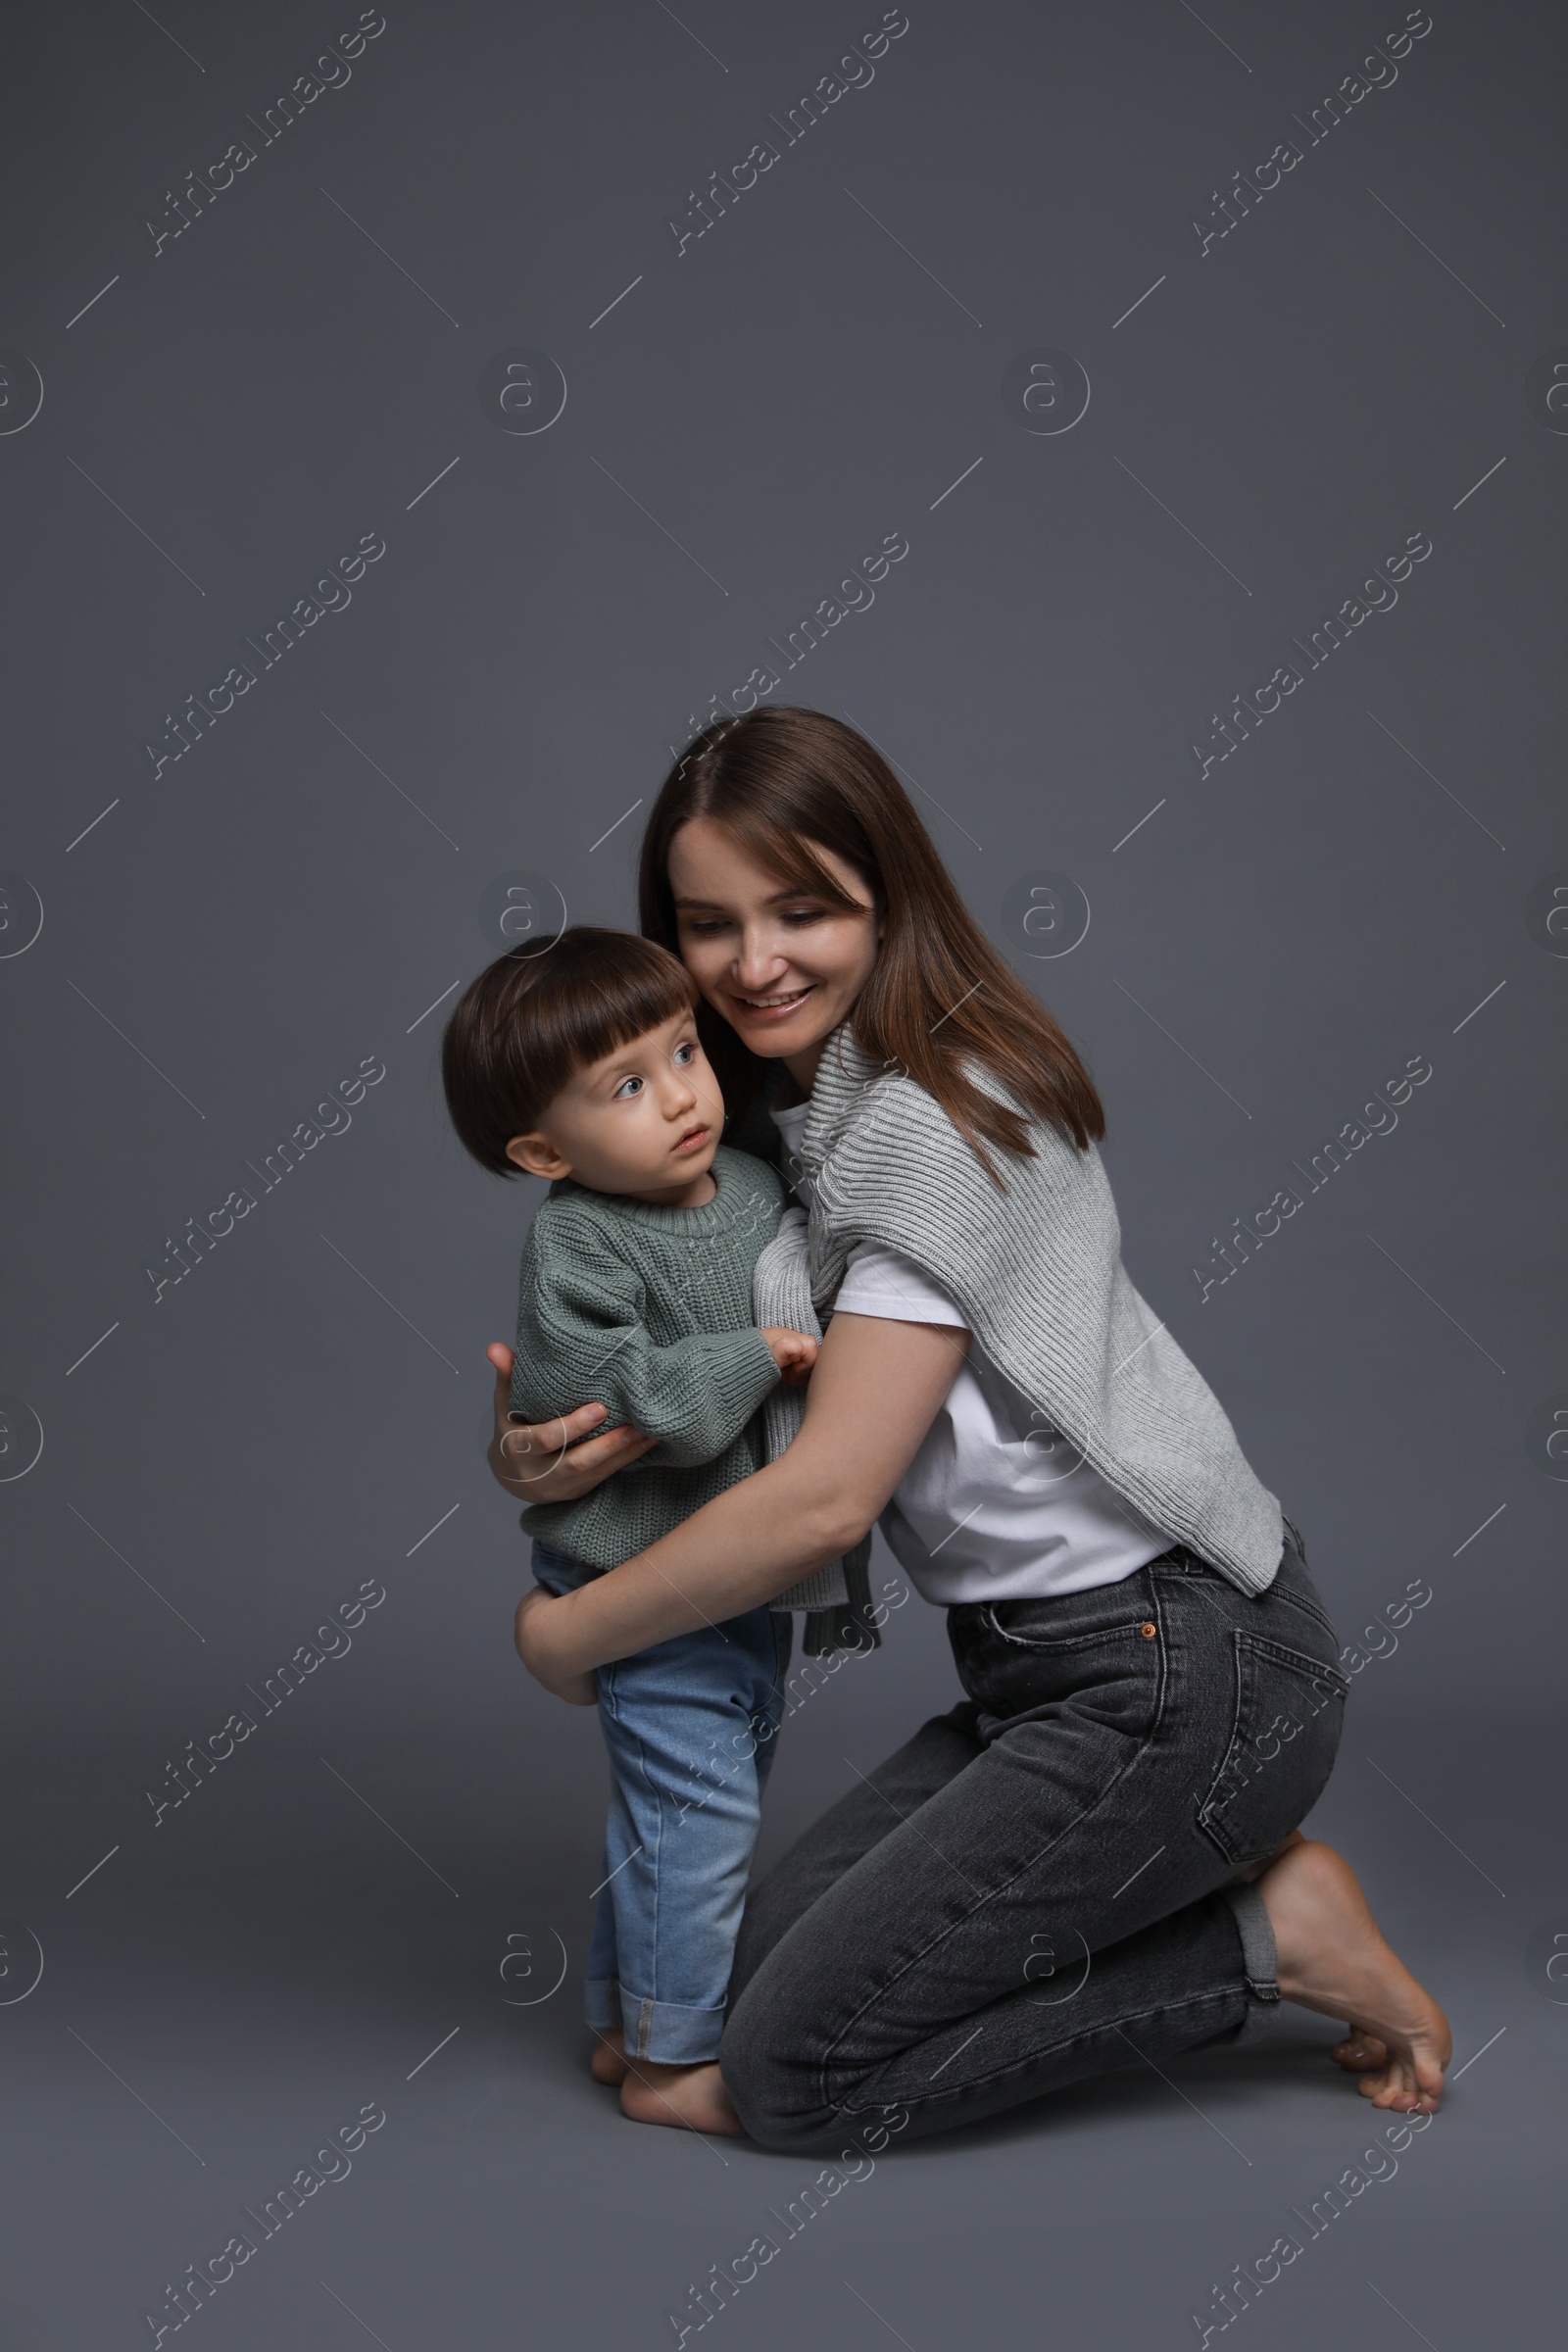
(609, 2061)
(693, 2097)
(1332, 1958)
(1361, 2052)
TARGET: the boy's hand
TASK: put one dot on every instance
(793, 1352)
(578, 1689)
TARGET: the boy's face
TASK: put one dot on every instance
(645, 1121)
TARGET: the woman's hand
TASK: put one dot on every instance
(532, 1461)
(530, 1631)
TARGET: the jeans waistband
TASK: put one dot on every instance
(1182, 1561)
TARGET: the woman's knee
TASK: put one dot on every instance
(780, 2104)
(753, 2073)
(775, 2085)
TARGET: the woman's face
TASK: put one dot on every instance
(781, 966)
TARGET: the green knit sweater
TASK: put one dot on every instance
(648, 1311)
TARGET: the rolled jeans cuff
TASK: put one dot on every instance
(602, 2005)
(667, 2034)
(1259, 1959)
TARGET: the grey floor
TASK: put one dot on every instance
(231, 1989)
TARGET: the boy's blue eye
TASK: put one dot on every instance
(627, 1087)
(684, 1055)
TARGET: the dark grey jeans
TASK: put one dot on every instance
(1034, 1888)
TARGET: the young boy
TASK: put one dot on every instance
(583, 1065)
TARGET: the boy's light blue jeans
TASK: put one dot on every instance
(690, 1726)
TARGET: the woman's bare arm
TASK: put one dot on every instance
(872, 1397)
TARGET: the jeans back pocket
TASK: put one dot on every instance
(1289, 1710)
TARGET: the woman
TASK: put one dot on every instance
(1093, 1860)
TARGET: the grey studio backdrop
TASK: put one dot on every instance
(1149, 426)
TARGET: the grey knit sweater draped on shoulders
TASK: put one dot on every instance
(1037, 1271)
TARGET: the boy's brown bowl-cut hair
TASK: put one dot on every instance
(521, 1031)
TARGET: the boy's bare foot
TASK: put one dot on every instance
(1332, 1958)
(609, 2061)
(691, 2096)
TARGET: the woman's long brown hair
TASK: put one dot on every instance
(787, 782)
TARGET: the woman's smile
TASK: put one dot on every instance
(770, 1008)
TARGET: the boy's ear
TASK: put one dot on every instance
(537, 1156)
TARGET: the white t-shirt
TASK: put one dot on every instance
(996, 1504)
